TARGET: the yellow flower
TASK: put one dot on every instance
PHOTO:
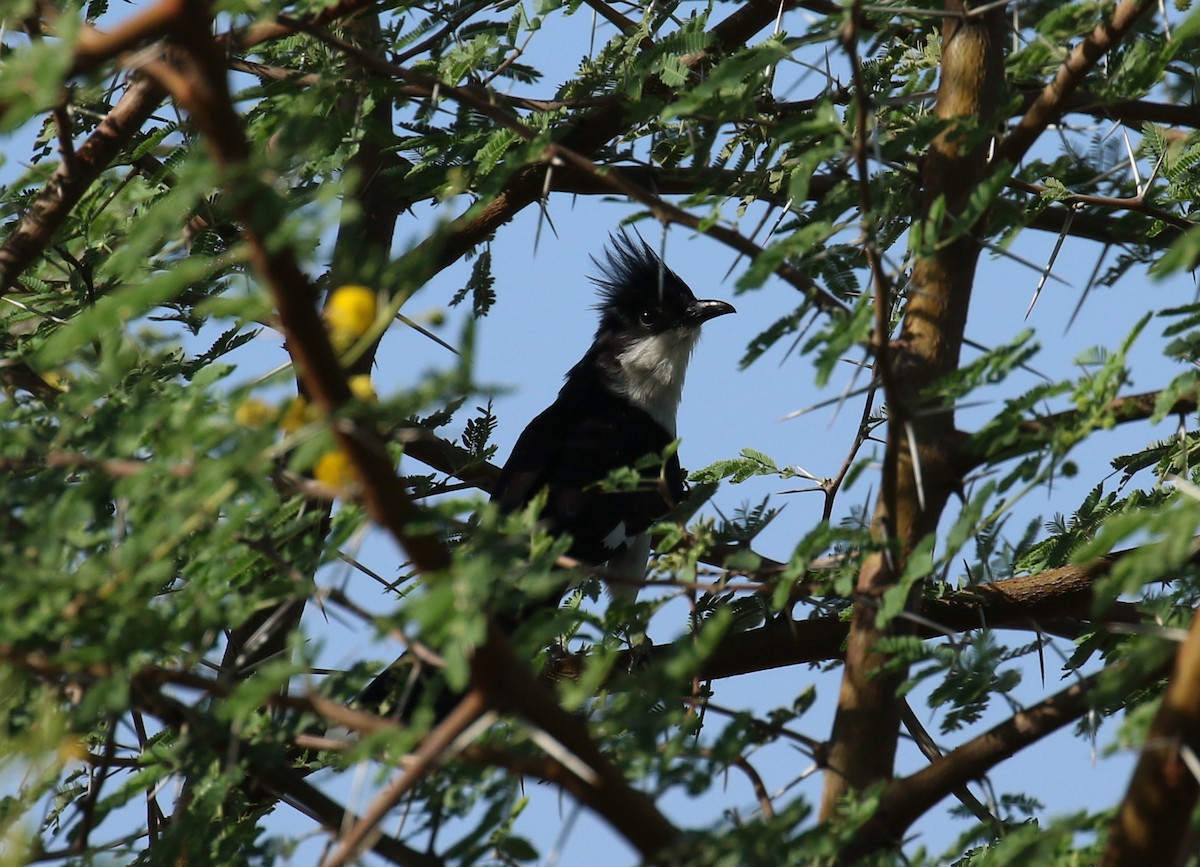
(349, 313)
(72, 749)
(58, 381)
(299, 413)
(361, 388)
(253, 413)
(334, 470)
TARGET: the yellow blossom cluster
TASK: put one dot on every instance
(349, 314)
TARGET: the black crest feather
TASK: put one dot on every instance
(632, 275)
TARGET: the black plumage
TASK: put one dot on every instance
(616, 409)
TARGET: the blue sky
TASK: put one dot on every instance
(543, 321)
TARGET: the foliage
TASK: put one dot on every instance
(169, 507)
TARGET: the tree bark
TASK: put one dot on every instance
(1153, 825)
(918, 473)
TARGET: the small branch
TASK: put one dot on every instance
(1137, 204)
(37, 226)
(613, 177)
(1053, 101)
(431, 750)
(632, 813)
(117, 468)
(1038, 433)
(669, 213)
(931, 751)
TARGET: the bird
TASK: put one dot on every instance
(617, 408)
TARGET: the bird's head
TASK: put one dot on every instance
(649, 324)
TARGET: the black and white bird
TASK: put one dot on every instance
(616, 409)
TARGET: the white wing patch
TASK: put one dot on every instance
(629, 568)
(617, 538)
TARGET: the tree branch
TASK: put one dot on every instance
(907, 799)
(202, 89)
(1053, 101)
(1153, 824)
(36, 227)
(918, 475)
(1035, 434)
(428, 754)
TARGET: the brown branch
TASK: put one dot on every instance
(918, 475)
(1098, 227)
(1137, 204)
(905, 800)
(498, 672)
(1035, 434)
(1131, 112)
(266, 31)
(1154, 822)
(427, 756)
(36, 227)
(95, 47)
(1056, 600)
(202, 89)
(1053, 101)
(615, 18)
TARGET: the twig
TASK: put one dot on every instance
(430, 752)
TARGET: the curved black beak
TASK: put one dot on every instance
(699, 312)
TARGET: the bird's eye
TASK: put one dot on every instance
(647, 318)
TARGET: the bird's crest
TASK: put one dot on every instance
(631, 273)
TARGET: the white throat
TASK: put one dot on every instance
(652, 370)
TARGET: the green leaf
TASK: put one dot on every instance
(120, 309)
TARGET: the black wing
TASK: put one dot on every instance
(569, 453)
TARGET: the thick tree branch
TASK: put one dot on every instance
(1058, 600)
(918, 475)
(1153, 824)
(907, 799)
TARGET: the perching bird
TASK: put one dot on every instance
(616, 408)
